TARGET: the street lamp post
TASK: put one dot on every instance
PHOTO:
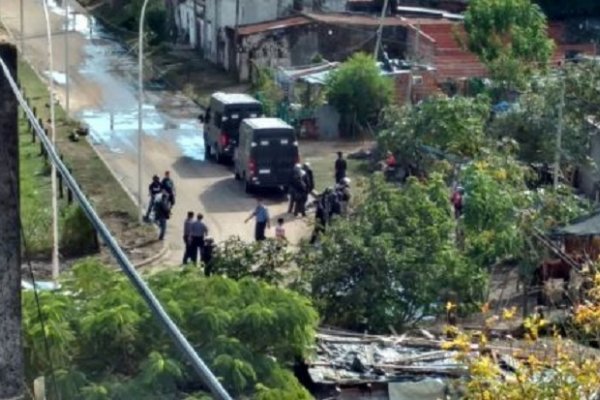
(66, 34)
(55, 265)
(140, 101)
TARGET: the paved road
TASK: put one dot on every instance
(103, 77)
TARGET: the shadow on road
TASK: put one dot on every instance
(227, 195)
(187, 167)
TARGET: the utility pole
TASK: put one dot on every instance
(22, 26)
(559, 132)
(66, 33)
(380, 29)
(53, 180)
(236, 36)
(12, 373)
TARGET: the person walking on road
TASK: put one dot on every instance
(154, 189)
(340, 167)
(162, 213)
(187, 237)
(198, 232)
(261, 215)
(168, 185)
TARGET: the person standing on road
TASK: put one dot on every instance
(280, 231)
(168, 185)
(309, 177)
(154, 190)
(162, 213)
(261, 215)
(299, 192)
(187, 237)
(198, 233)
(340, 167)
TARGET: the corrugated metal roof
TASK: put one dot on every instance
(252, 29)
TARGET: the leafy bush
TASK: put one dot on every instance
(393, 262)
(455, 125)
(105, 344)
(359, 92)
(78, 236)
(237, 259)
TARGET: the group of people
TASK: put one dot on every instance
(196, 240)
(195, 232)
(302, 185)
(162, 200)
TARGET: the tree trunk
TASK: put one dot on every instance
(11, 348)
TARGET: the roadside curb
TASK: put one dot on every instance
(150, 260)
(165, 246)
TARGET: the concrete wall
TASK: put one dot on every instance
(338, 42)
(185, 18)
(292, 46)
(419, 46)
(220, 14)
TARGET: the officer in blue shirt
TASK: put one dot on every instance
(261, 214)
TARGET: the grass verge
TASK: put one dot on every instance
(110, 200)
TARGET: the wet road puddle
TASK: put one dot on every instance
(113, 123)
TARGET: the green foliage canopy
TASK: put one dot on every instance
(358, 90)
(106, 345)
(509, 37)
(394, 261)
(453, 125)
(533, 121)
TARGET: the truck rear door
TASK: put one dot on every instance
(275, 154)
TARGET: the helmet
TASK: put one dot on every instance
(297, 167)
(346, 181)
(307, 164)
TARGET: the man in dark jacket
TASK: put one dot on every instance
(340, 167)
(309, 177)
(299, 191)
(187, 237)
(162, 212)
(168, 185)
(153, 190)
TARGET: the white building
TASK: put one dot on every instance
(219, 14)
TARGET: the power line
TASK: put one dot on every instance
(160, 314)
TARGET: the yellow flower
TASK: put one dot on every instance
(509, 314)
(485, 308)
(501, 174)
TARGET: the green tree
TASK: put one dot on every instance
(394, 261)
(237, 259)
(509, 37)
(534, 118)
(453, 125)
(359, 92)
(102, 336)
